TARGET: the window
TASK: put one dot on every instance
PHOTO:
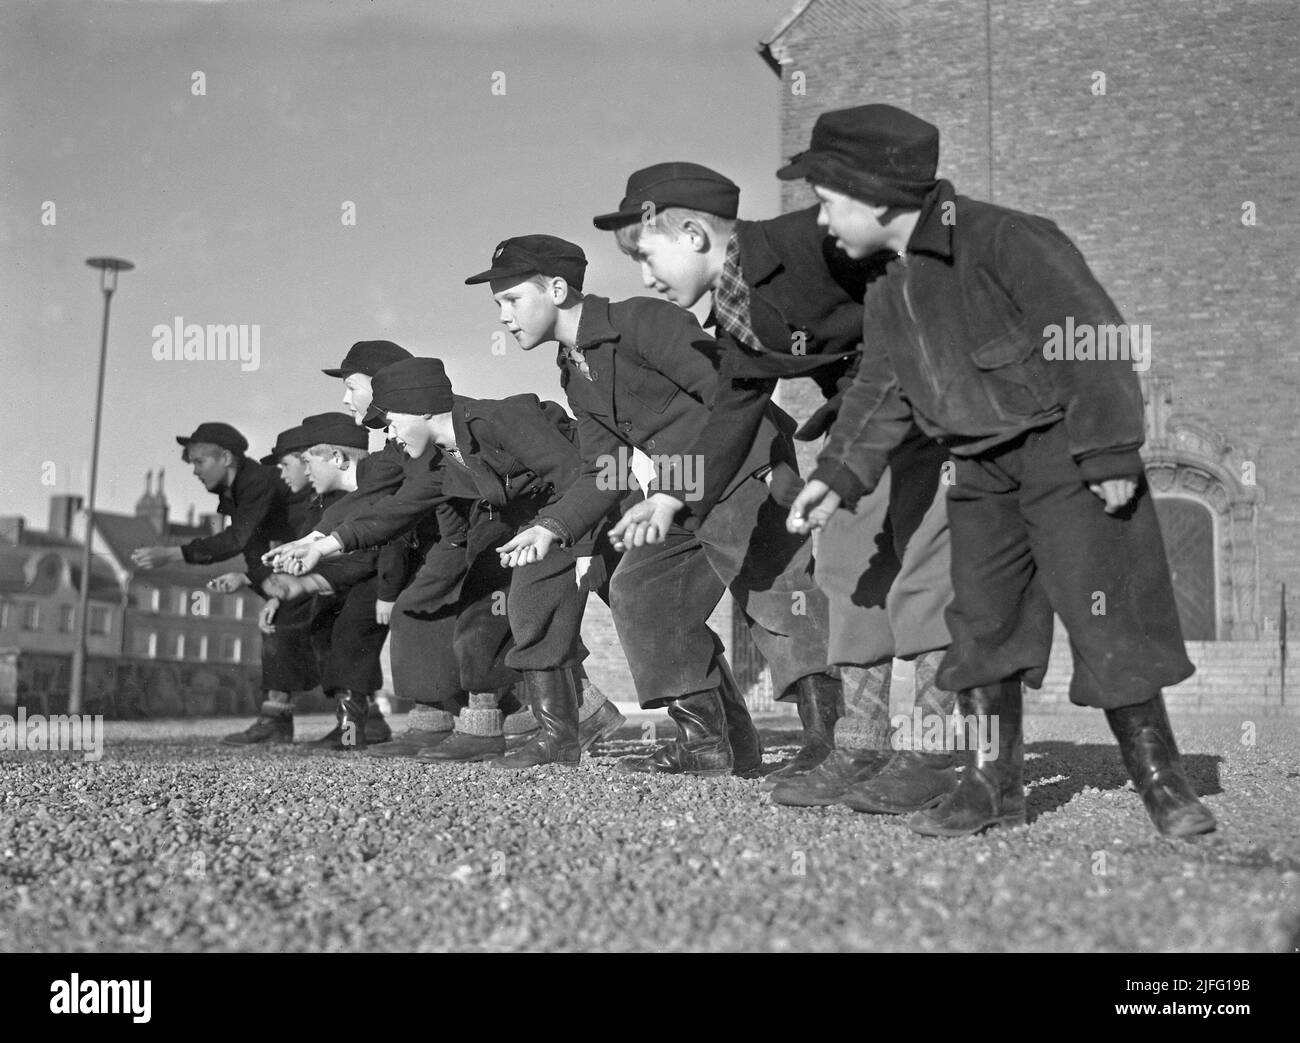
(148, 599)
(145, 644)
(1188, 530)
(237, 607)
(99, 621)
(197, 647)
(4, 615)
(173, 646)
(67, 619)
(231, 647)
(181, 602)
(29, 615)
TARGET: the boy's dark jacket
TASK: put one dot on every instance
(962, 324)
(481, 505)
(653, 378)
(805, 299)
(257, 502)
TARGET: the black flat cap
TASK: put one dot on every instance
(222, 435)
(673, 184)
(418, 386)
(368, 357)
(334, 429)
(527, 255)
(877, 153)
(288, 441)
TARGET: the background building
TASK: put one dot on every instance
(1160, 135)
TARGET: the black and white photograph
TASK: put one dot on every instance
(648, 476)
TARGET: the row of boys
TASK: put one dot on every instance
(916, 316)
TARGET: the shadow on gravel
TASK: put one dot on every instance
(1056, 772)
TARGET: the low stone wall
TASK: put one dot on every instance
(124, 689)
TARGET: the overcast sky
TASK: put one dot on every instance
(230, 203)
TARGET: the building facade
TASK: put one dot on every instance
(1159, 134)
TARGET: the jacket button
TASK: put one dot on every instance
(650, 444)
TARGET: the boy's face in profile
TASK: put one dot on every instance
(323, 470)
(854, 224)
(411, 431)
(208, 462)
(357, 395)
(293, 471)
(528, 309)
(673, 264)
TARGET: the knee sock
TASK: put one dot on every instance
(423, 718)
(865, 723)
(481, 716)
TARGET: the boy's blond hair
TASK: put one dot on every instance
(323, 451)
(671, 220)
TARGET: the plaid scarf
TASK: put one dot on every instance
(731, 299)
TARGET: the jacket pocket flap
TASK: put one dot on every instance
(1004, 350)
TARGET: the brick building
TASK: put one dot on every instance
(40, 581)
(1160, 135)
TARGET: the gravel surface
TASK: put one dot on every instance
(172, 842)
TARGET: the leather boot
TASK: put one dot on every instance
(465, 748)
(554, 701)
(909, 782)
(377, 729)
(1146, 742)
(350, 731)
(426, 726)
(992, 789)
(821, 702)
(746, 746)
(702, 748)
(829, 781)
(274, 724)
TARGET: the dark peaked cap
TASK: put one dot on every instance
(535, 255)
(876, 153)
(334, 429)
(674, 184)
(417, 385)
(221, 435)
(290, 440)
(368, 357)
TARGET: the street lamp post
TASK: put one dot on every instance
(108, 269)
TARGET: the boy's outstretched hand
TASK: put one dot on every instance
(533, 544)
(1115, 492)
(266, 618)
(645, 522)
(228, 582)
(812, 508)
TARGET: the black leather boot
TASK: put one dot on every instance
(1146, 742)
(274, 724)
(377, 729)
(746, 746)
(992, 789)
(910, 782)
(702, 749)
(349, 733)
(831, 779)
(554, 701)
(821, 703)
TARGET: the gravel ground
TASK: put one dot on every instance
(171, 842)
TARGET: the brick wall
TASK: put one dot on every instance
(1149, 179)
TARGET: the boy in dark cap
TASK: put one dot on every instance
(639, 374)
(1049, 511)
(288, 658)
(787, 303)
(492, 462)
(345, 629)
(255, 499)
